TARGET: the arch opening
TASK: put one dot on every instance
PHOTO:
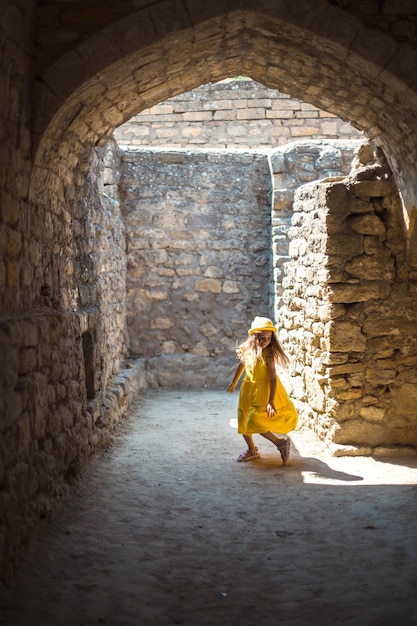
(60, 259)
(267, 49)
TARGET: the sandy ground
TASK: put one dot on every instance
(166, 528)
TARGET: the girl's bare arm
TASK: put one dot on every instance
(239, 371)
(270, 408)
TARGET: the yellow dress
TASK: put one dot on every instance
(253, 398)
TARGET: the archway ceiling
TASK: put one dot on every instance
(310, 50)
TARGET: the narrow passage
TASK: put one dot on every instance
(166, 528)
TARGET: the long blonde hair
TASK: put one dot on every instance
(250, 352)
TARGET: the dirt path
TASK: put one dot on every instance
(166, 528)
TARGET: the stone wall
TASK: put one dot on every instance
(200, 262)
(15, 155)
(349, 310)
(48, 432)
(231, 114)
(100, 269)
(65, 385)
(292, 166)
(198, 230)
(70, 73)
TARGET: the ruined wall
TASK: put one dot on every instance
(349, 310)
(292, 166)
(15, 154)
(198, 251)
(100, 270)
(72, 72)
(231, 114)
(200, 262)
(64, 385)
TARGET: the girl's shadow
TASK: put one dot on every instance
(297, 463)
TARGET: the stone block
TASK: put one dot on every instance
(28, 361)
(303, 131)
(346, 368)
(198, 116)
(372, 267)
(38, 394)
(211, 285)
(359, 432)
(352, 292)
(378, 376)
(12, 273)
(372, 188)
(231, 286)
(379, 326)
(163, 108)
(372, 413)
(355, 205)
(404, 397)
(346, 245)
(330, 311)
(345, 336)
(367, 225)
(250, 114)
(24, 434)
(346, 395)
(314, 392)
(13, 407)
(282, 199)
(9, 208)
(14, 243)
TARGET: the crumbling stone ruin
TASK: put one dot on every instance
(332, 252)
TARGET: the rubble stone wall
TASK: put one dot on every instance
(231, 114)
(70, 73)
(349, 310)
(65, 385)
(199, 248)
(292, 166)
(198, 228)
(100, 268)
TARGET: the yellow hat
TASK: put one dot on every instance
(261, 323)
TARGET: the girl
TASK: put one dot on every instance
(264, 405)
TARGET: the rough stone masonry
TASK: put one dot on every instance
(348, 310)
(70, 74)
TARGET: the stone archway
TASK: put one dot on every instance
(337, 60)
(319, 56)
(317, 53)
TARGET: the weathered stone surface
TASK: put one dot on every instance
(345, 336)
(219, 261)
(372, 188)
(372, 413)
(358, 432)
(345, 245)
(222, 107)
(367, 225)
(372, 267)
(63, 266)
(356, 292)
(359, 349)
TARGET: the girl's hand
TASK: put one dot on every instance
(231, 388)
(270, 409)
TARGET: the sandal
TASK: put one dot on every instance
(249, 455)
(284, 449)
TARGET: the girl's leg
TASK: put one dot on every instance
(251, 453)
(283, 444)
(250, 443)
(271, 437)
